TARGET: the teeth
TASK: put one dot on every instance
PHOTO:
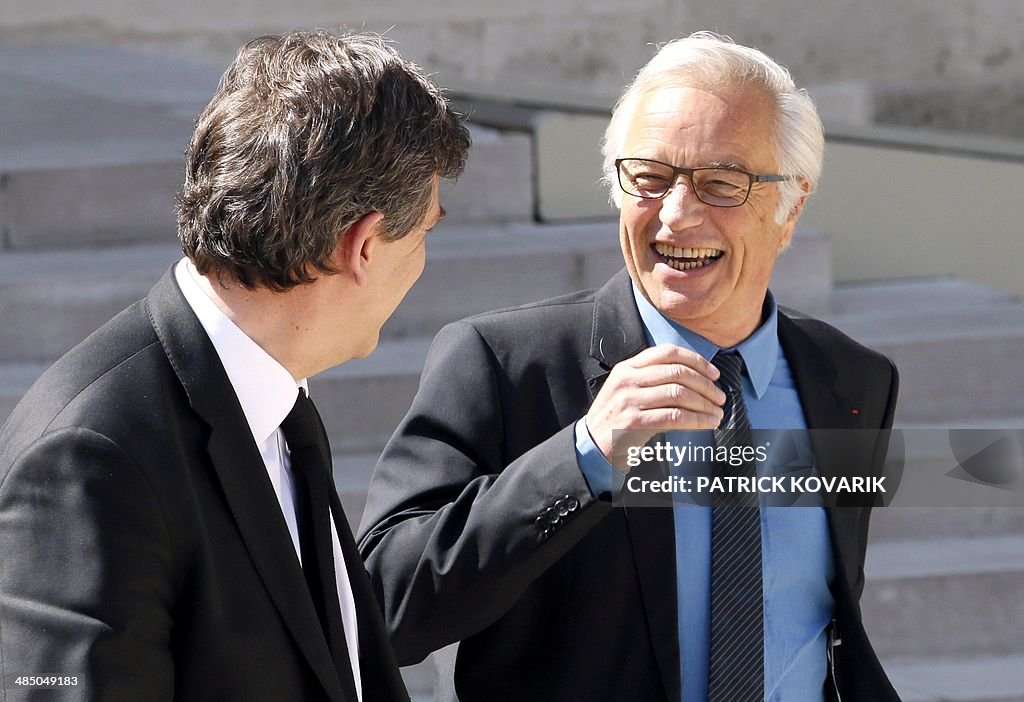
(686, 252)
(686, 265)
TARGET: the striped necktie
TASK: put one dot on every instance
(737, 604)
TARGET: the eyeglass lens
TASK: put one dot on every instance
(721, 187)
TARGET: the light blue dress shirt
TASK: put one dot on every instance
(796, 550)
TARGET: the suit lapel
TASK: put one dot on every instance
(618, 334)
(239, 468)
(827, 412)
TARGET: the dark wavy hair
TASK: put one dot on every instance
(307, 133)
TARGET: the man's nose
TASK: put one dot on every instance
(681, 208)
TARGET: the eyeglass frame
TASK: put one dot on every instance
(688, 172)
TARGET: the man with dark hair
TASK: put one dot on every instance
(168, 526)
(490, 519)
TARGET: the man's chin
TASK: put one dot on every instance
(684, 306)
(365, 346)
(370, 346)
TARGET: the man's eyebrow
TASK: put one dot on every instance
(727, 164)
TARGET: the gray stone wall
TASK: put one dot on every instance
(956, 64)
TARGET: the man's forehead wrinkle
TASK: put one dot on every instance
(693, 155)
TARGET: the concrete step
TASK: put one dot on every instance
(956, 345)
(959, 679)
(91, 142)
(878, 299)
(52, 299)
(976, 467)
(945, 597)
(935, 523)
(967, 510)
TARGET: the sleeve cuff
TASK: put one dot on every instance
(601, 476)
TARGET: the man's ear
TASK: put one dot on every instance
(356, 247)
(794, 213)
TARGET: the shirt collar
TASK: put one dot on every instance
(265, 389)
(760, 350)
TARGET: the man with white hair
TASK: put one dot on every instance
(494, 518)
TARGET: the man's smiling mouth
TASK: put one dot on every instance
(685, 259)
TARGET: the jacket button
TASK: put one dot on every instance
(563, 508)
(572, 503)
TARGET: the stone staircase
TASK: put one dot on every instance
(942, 596)
(90, 143)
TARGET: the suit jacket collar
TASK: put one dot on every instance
(235, 459)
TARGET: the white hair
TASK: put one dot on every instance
(705, 59)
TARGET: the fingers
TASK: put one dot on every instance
(679, 396)
(663, 388)
(668, 354)
(654, 421)
(653, 409)
(673, 375)
(670, 365)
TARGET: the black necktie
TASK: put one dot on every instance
(311, 468)
(737, 603)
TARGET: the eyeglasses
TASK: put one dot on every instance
(716, 186)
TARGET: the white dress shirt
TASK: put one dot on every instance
(266, 391)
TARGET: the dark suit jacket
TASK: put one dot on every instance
(143, 548)
(458, 525)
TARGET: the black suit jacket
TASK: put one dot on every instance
(144, 551)
(458, 529)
